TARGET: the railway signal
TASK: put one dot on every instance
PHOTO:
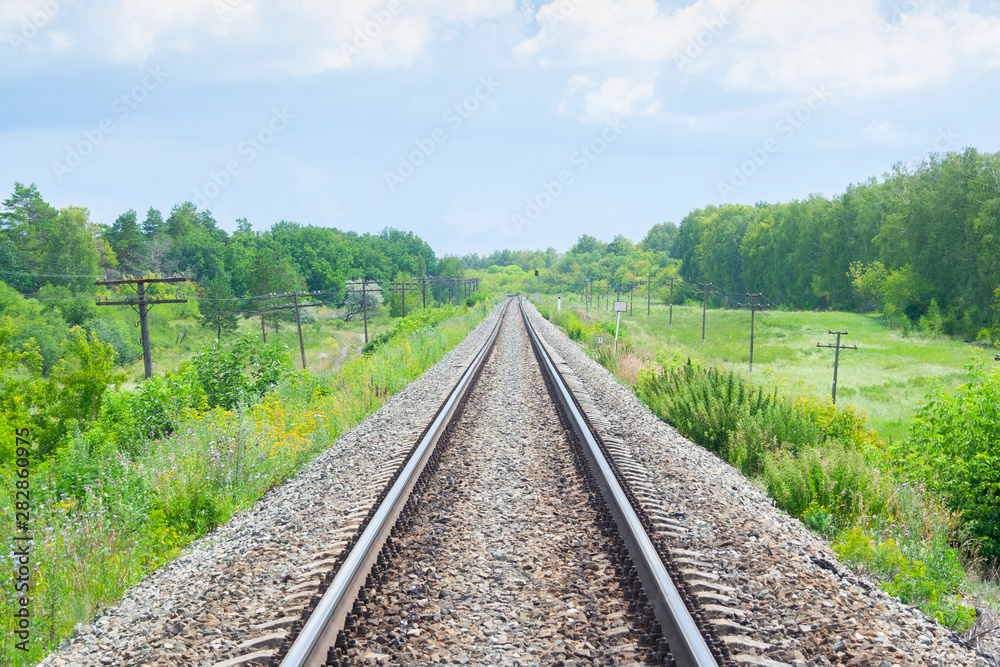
(837, 347)
(142, 306)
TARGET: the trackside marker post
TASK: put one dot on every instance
(620, 307)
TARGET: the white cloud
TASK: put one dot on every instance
(778, 46)
(613, 98)
(283, 37)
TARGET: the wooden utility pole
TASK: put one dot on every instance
(142, 305)
(704, 310)
(631, 296)
(364, 302)
(753, 309)
(298, 325)
(672, 302)
(401, 288)
(837, 347)
(649, 294)
(294, 296)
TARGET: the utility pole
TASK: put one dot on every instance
(672, 302)
(836, 357)
(753, 309)
(704, 310)
(298, 324)
(537, 293)
(631, 295)
(364, 302)
(423, 285)
(298, 320)
(401, 288)
(142, 305)
(649, 294)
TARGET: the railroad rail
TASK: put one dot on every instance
(661, 613)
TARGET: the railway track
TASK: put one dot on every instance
(511, 532)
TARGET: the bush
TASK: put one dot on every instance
(952, 447)
(478, 297)
(151, 410)
(246, 370)
(807, 451)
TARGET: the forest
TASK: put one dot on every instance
(920, 245)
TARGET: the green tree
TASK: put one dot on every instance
(218, 306)
(153, 225)
(659, 238)
(128, 242)
(70, 252)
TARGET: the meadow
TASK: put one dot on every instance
(887, 377)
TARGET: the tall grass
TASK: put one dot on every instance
(104, 515)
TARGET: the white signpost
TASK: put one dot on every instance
(620, 307)
(559, 302)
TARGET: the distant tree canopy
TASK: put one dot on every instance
(921, 244)
(40, 245)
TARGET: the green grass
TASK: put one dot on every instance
(887, 376)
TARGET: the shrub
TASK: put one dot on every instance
(952, 446)
(246, 370)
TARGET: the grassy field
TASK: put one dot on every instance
(886, 376)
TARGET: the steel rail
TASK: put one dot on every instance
(327, 619)
(679, 628)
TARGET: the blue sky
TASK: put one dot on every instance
(482, 124)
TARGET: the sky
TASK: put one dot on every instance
(483, 124)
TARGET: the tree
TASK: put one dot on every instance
(869, 280)
(356, 300)
(659, 238)
(128, 242)
(182, 220)
(69, 253)
(153, 225)
(218, 306)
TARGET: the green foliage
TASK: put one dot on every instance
(218, 307)
(952, 446)
(818, 517)
(413, 322)
(152, 410)
(245, 370)
(478, 297)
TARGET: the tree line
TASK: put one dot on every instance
(920, 245)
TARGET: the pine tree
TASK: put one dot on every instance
(218, 307)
